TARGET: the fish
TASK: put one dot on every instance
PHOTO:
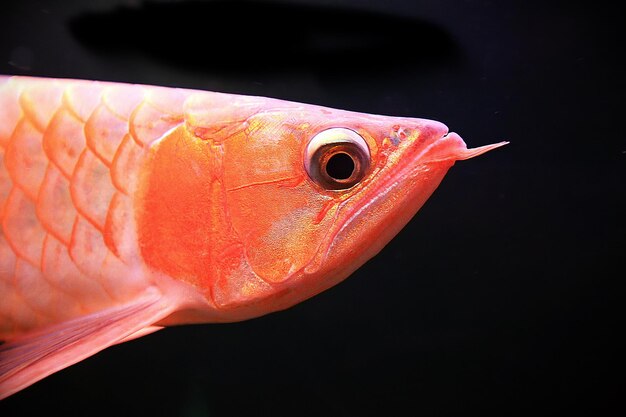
(128, 208)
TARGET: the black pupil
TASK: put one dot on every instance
(340, 166)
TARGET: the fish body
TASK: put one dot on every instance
(126, 208)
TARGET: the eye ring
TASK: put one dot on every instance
(337, 158)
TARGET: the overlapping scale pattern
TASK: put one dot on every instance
(69, 158)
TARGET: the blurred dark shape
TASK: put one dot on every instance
(244, 36)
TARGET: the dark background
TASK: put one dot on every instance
(503, 296)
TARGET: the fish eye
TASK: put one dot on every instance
(337, 158)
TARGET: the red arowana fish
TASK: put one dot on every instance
(126, 208)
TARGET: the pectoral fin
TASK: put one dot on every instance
(33, 356)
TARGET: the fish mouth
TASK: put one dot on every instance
(451, 147)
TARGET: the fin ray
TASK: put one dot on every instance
(33, 356)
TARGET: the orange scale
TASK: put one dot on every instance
(55, 207)
(123, 99)
(40, 101)
(5, 182)
(64, 141)
(92, 189)
(11, 110)
(148, 123)
(125, 165)
(82, 98)
(59, 269)
(104, 131)
(22, 228)
(25, 159)
(87, 248)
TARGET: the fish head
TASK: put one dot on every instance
(312, 193)
(262, 203)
